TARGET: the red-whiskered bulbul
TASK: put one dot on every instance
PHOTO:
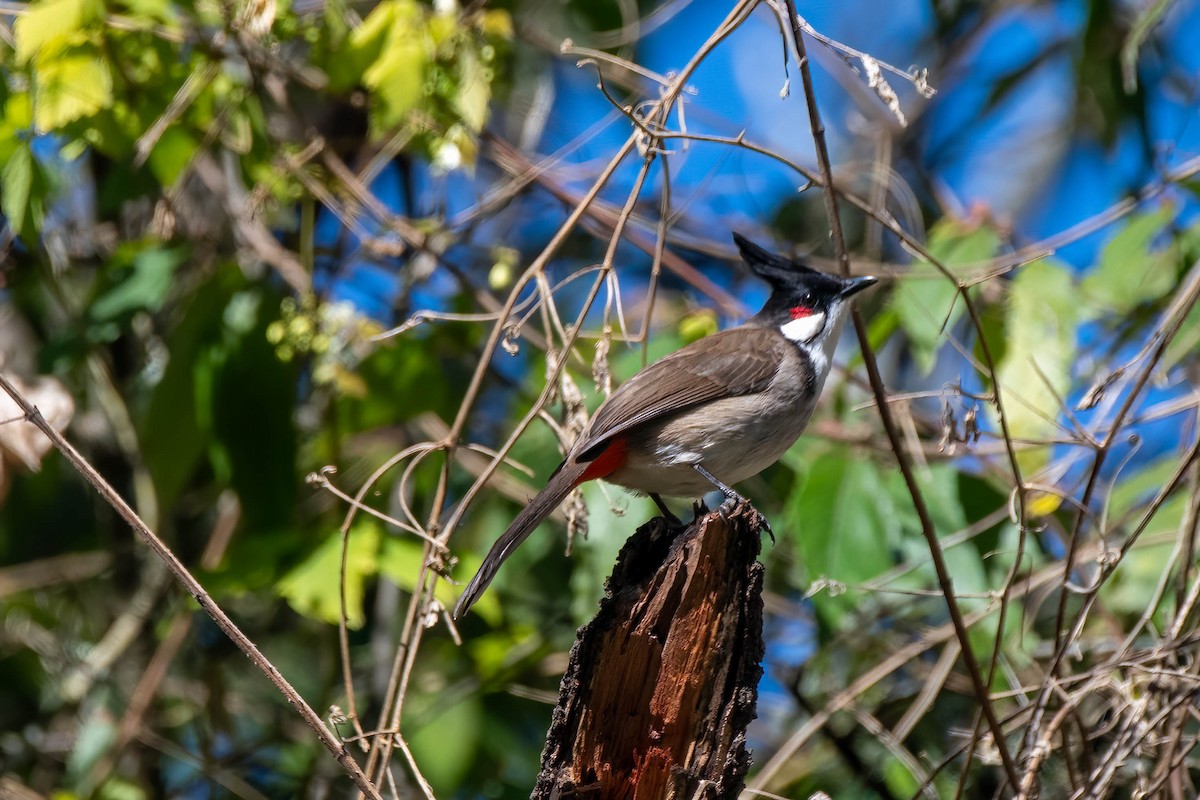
(712, 413)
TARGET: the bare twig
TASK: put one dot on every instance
(842, 256)
(193, 587)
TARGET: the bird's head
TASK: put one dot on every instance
(806, 305)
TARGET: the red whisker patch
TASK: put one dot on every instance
(799, 312)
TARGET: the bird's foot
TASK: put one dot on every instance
(672, 520)
(756, 519)
(733, 500)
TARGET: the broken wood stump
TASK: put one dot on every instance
(662, 683)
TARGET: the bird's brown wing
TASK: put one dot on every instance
(735, 362)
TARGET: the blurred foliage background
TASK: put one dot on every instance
(216, 214)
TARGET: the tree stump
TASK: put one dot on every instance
(663, 682)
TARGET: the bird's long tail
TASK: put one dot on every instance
(568, 476)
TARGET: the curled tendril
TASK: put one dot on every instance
(509, 342)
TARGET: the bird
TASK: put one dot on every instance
(709, 415)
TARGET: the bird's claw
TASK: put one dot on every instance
(757, 520)
(761, 523)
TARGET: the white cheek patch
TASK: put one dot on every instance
(804, 329)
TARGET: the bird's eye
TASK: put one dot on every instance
(807, 306)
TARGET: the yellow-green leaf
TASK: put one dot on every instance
(1043, 312)
(443, 28)
(474, 90)
(497, 23)
(400, 559)
(456, 720)
(699, 324)
(313, 588)
(396, 79)
(15, 116)
(16, 181)
(1131, 271)
(172, 154)
(155, 11)
(23, 190)
(926, 307)
(45, 27)
(366, 44)
(69, 87)
(1186, 343)
(374, 31)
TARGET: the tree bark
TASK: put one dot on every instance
(663, 682)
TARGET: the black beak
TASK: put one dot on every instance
(855, 285)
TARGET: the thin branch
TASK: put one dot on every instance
(194, 588)
(842, 256)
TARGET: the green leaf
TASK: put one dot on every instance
(613, 515)
(16, 119)
(991, 324)
(252, 402)
(145, 288)
(899, 777)
(334, 28)
(16, 187)
(1133, 582)
(698, 324)
(497, 24)
(365, 45)
(445, 765)
(1134, 492)
(388, 54)
(69, 87)
(838, 535)
(1186, 342)
(176, 425)
(94, 739)
(474, 90)
(162, 12)
(116, 788)
(1130, 272)
(400, 559)
(1043, 312)
(23, 184)
(495, 652)
(926, 307)
(939, 485)
(392, 372)
(397, 77)
(172, 154)
(45, 28)
(314, 587)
